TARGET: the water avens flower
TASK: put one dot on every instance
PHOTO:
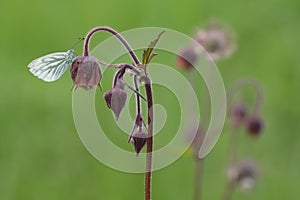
(244, 174)
(216, 41)
(85, 72)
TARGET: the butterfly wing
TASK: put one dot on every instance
(52, 66)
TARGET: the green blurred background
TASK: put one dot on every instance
(41, 156)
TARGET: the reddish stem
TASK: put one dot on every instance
(115, 33)
(149, 142)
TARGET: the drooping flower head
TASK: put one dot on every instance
(217, 41)
(85, 72)
(244, 174)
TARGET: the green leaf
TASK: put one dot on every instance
(148, 55)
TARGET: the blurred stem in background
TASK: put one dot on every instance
(243, 173)
(196, 147)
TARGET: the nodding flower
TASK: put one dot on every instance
(85, 72)
(244, 174)
(217, 41)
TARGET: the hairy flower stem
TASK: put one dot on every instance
(148, 173)
(139, 119)
(115, 33)
(138, 100)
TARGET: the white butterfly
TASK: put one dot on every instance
(52, 66)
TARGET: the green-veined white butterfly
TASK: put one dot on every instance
(52, 66)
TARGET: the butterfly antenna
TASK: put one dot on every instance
(79, 40)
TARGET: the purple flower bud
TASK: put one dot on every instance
(115, 100)
(186, 58)
(85, 72)
(139, 139)
(254, 125)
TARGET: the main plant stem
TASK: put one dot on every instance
(149, 142)
(148, 87)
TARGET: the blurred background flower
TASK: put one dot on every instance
(243, 174)
(217, 41)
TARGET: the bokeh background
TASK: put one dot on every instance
(41, 155)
